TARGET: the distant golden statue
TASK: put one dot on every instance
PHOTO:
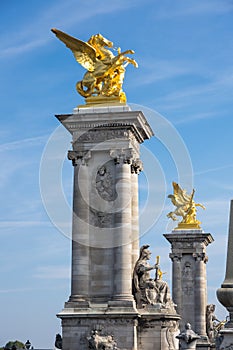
(185, 207)
(105, 72)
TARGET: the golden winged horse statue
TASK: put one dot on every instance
(185, 207)
(105, 72)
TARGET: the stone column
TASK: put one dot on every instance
(123, 236)
(176, 280)
(200, 293)
(136, 167)
(80, 237)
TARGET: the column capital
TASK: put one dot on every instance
(136, 166)
(122, 156)
(175, 257)
(79, 157)
(200, 257)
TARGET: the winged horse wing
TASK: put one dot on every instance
(180, 196)
(84, 53)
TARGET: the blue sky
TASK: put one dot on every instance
(184, 84)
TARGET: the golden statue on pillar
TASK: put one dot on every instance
(185, 207)
(102, 83)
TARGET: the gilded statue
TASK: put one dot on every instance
(185, 207)
(103, 80)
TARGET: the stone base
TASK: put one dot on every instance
(158, 331)
(104, 101)
(203, 344)
(184, 226)
(225, 340)
(131, 329)
(78, 325)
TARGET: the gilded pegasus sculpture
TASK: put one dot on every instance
(185, 207)
(102, 83)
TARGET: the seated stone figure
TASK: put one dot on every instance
(146, 290)
(143, 285)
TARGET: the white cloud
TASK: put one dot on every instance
(155, 70)
(32, 141)
(194, 8)
(24, 224)
(53, 272)
(195, 117)
(36, 33)
(210, 170)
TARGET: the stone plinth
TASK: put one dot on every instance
(189, 288)
(158, 330)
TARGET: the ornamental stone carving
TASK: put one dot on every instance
(101, 135)
(136, 166)
(171, 333)
(200, 257)
(105, 184)
(79, 157)
(188, 338)
(122, 156)
(101, 219)
(175, 257)
(101, 342)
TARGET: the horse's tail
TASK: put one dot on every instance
(81, 91)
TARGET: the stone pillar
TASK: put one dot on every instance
(136, 167)
(123, 236)
(80, 236)
(176, 280)
(105, 230)
(200, 293)
(225, 293)
(189, 287)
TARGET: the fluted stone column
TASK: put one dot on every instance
(200, 293)
(176, 280)
(122, 283)
(136, 167)
(80, 236)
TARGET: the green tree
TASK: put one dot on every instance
(18, 344)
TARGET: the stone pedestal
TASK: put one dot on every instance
(158, 330)
(189, 288)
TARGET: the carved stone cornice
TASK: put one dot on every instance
(188, 236)
(79, 157)
(134, 121)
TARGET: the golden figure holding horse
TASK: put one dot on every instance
(105, 72)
